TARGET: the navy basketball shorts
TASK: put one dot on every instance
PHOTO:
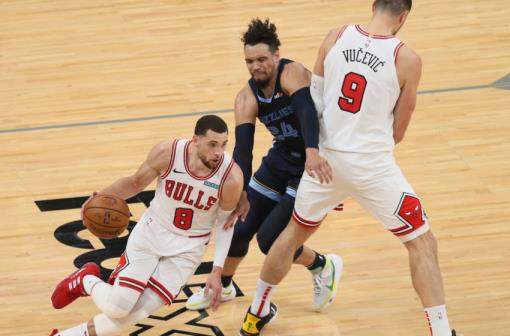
(279, 173)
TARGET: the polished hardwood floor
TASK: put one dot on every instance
(87, 87)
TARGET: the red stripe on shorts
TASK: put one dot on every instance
(303, 222)
(159, 289)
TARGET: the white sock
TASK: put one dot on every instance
(79, 330)
(438, 321)
(89, 281)
(260, 304)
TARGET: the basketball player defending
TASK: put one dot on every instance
(198, 186)
(364, 87)
(278, 95)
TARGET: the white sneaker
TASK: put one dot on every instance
(325, 283)
(200, 301)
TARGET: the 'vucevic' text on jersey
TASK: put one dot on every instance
(277, 114)
(361, 89)
(184, 203)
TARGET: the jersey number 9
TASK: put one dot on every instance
(353, 89)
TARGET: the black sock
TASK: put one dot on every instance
(226, 280)
(319, 261)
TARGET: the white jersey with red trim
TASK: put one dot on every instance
(184, 203)
(361, 89)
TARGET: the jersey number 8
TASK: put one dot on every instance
(183, 218)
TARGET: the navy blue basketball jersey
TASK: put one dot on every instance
(277, 114)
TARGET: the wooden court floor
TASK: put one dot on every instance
(87, 87)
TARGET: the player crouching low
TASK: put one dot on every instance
(166, 246)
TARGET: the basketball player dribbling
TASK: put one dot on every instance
(198, 186)
(364, 86)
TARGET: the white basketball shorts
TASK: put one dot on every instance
(372, 179)
(158, 259)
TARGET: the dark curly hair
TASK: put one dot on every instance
(261, 32)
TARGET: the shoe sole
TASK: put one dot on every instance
(273, 318)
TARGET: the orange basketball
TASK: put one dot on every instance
(106, 216)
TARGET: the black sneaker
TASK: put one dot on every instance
(252, 323)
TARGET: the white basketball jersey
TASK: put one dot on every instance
(361, 89)
(184, 203)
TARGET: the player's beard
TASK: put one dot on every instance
(206, 163)
(261, 83)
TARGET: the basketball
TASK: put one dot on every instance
(106, 216)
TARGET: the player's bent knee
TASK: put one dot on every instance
(263, 246)
(147, 304)
(238, 248)
(105, 325)
(120, 302)
(265, 243)
(425, 243)
(240, 240)
(113, 311)
(275, 223)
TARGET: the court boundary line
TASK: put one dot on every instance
(502, 83)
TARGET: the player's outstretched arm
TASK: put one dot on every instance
(154, 165)
(229, 198)
(409, 73)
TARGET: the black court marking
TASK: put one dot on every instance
(144, 197)
(503, 83)
(202, 314)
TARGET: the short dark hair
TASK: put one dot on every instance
(261, 32)
(210, 122)
(396, 7)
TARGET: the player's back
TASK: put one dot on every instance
(361, 89)
(183, 202)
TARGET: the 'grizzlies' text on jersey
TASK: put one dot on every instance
(277, 114)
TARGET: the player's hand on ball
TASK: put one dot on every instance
(85, 204)
(105, 216)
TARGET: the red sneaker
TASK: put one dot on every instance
(54, 332)
(71, 287)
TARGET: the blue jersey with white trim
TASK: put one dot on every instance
(277, 114)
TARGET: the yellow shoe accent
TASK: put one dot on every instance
(250, 323)
(253, 324)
